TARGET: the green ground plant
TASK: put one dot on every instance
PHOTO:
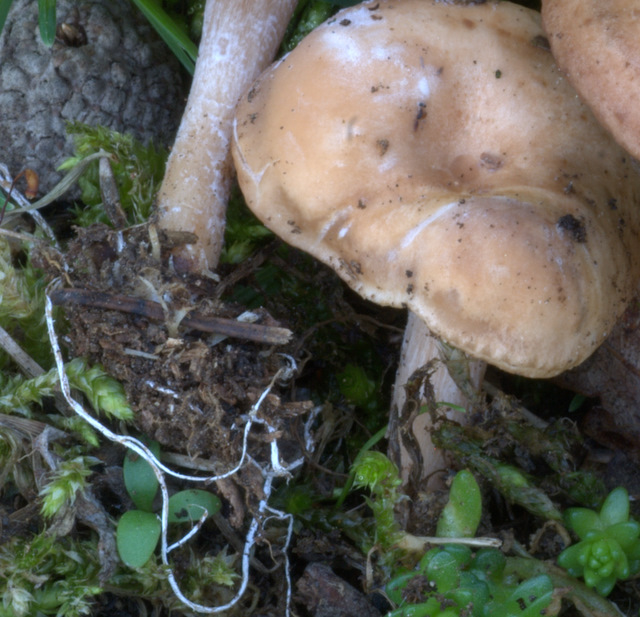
(454, 579)
(609, 545)
(48, 575)
(459, 582)
(138, 530)
(138, 170)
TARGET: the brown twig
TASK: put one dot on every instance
(110, 195)
(28, 365)
(153, 310)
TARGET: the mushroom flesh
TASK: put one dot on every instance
(239, 39)
(433, 155)
(596, 44)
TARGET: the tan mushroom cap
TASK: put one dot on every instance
(435, 158)
(597, 44)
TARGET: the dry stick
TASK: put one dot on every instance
(419, 544)
(160, 470)
(111, 195)
(28, 365)
(154, 310)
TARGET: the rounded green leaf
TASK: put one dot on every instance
(489, 564)
(615, 508)
(461, 516)
(626, 534)
(605, 586)
(571, 559)
(582, 521)
(460, 553)
(137, 536)
(397, 585)
(444, 569)
(530, 598)
(189, 506)
(139, 479)
(430, 608)
(471, 592)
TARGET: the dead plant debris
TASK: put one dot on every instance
(189, 389)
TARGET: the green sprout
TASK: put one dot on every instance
(106, 395)
(138, 170)
(48, 575)
(609, 546)
(453, 581)
(458, 582)
(461, 516)
(139, 530)
(67, 481)
(377, 473)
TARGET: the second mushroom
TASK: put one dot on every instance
(436, 159)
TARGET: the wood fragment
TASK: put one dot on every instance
(27, 364)
(110, 195)
(153, 310)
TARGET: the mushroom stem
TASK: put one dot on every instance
(419, 347)
(239, 39)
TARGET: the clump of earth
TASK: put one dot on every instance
(190, 390)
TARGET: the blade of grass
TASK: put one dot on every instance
(180, 44)
(47, 21)
(5, 5)
(59, 189)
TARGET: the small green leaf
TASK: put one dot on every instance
(461, 516)
(489, 564)
(431, 608)
(615, 508)
(444, 571)
(576, 402)
(572, 558)
(139, 479)
(470, 592)
(189, 506)
(47, 21)
(529, 599)
(582, 521)
(626, 534)
(394, 588)
(137, 536)
(355, 386)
